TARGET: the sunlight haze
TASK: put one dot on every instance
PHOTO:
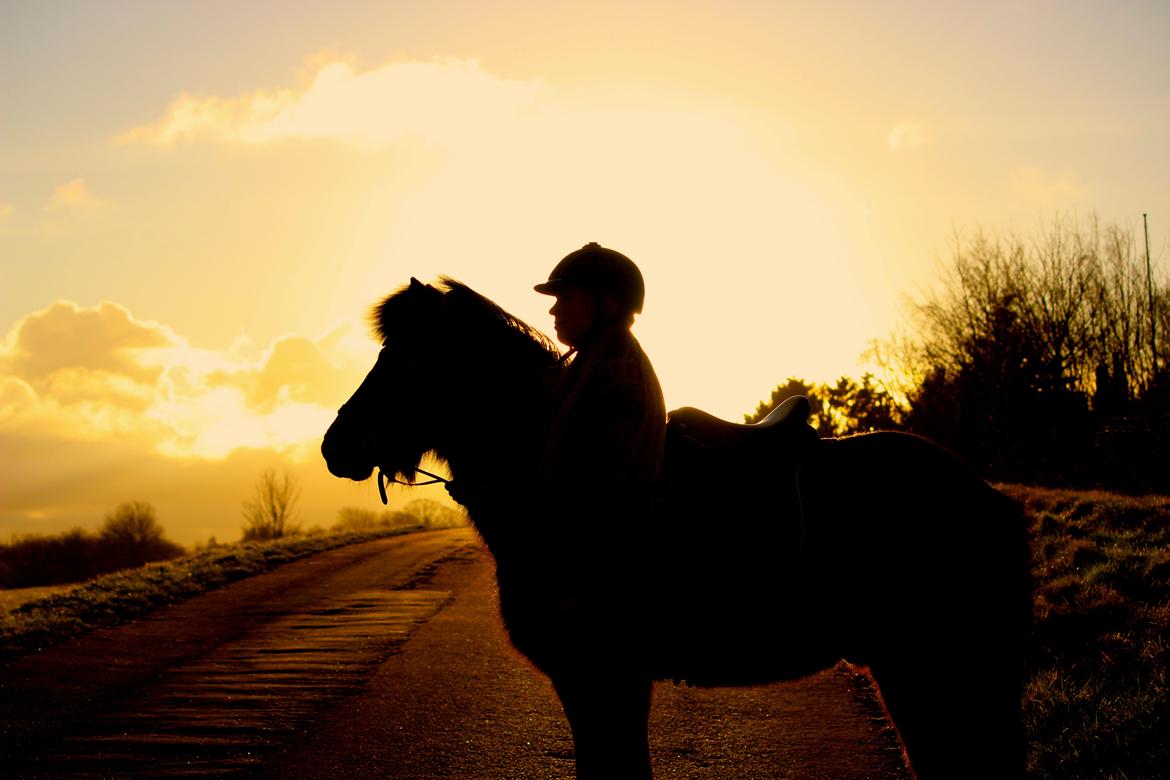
(199, 202)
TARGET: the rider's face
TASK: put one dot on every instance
(573, 315)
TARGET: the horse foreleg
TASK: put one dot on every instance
(608, 715)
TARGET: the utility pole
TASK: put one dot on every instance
(1150, 291)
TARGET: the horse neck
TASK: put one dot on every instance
(493, 437)
(494, 446)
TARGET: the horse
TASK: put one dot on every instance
(880, 549)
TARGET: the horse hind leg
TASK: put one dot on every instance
(958, 714)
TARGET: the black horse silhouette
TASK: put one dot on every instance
(881, 549)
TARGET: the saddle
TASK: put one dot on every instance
(785, 431)
(704, 526)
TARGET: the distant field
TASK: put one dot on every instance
(15, 597)
(1098, 701)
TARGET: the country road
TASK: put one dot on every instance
(387, 660)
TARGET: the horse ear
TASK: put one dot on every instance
(415, 284)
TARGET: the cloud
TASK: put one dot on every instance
(1048, 186)
(81, 373)
(446, 101)
(293, 369)
(16, 397)
(98, 406)
(73, 195)
(66, 337)
(906, 135)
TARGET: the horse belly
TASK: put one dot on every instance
(747, 622)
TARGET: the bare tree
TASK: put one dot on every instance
(1029, 349)
(1063, 307)
(271, 513)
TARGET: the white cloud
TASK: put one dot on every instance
(447, 101)
(16, 397)
(74, 195)
(106, 338)
(88, 374)
(294, 368)
(1048, 186)
(906, 135)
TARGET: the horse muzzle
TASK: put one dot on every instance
(345, 457)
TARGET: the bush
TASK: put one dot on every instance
(1035, 360)
(422, 513)
(130, 537)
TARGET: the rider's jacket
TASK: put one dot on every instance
(607, 429)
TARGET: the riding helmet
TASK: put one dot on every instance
(599, 270)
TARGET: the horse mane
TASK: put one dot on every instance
(467, 312)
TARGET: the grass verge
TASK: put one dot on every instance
(122, 596)
(1098, 699)
(12, 598)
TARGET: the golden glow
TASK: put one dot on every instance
(782, 173)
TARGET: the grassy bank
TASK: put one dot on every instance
(126, 595)
(1098, 701)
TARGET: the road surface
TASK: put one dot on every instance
(387, 660)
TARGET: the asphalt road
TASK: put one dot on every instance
(386, 660)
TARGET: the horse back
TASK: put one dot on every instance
(897, 516)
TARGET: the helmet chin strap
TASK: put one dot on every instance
(384, 479)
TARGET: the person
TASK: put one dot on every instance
(604, 424)
(607, 425)
(581, 611)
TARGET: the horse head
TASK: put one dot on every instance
(420, 396)
(380, 426)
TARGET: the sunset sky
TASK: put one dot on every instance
(199, 201)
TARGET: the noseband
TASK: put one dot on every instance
(388, 479)
(384, 479)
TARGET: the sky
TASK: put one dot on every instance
(200, 201)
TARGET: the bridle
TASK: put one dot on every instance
(384, 479)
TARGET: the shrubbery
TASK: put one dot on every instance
(1042, 360)
(129, 537)
(1035, 360)
(422, 513)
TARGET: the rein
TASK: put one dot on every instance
(384, 479)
